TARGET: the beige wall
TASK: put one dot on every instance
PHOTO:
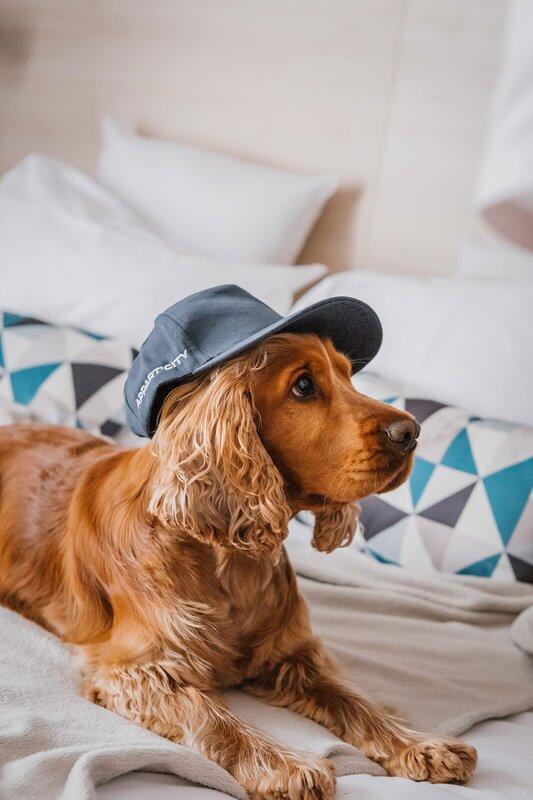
(390, 95)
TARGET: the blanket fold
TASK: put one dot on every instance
(444, 652)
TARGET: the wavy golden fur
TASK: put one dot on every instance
(164, 567)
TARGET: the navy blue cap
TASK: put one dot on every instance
(210, 327)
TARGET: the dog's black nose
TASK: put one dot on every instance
(404, 432)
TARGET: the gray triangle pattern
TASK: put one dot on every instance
(422, 409)
(89, 379)
(377, 516)
(459, 525)
(448, 511)
(61, 397)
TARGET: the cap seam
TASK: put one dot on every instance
(186, 336)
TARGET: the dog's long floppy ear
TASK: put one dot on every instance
(335, 526)
(216, 480)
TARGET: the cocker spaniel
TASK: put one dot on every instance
(165, 568)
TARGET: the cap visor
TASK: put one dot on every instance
(352, 325)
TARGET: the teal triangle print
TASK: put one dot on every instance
(27, 382)
(381, 558)
(92, 335)
(459, 454)
(422, 472)
(483, 568)
(508, 492)
(11, 319)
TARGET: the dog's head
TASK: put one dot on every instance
(276, 430)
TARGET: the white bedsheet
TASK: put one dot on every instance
(505, 772)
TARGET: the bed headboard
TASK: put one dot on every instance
(390, 95)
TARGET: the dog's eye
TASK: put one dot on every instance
(303, 386)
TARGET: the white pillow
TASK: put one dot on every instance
(71, 254)
(487, 259)
(210, 204)
(43, 179)
(458, 341)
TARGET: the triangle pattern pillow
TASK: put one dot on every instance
(64, 375)
(467, 506)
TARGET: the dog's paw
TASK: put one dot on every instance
(436, 761)
(295, 779)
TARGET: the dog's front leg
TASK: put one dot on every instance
(310, 683)
(199, 719)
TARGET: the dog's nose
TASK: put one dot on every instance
(404, 432)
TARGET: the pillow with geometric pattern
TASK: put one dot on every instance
(63, 375)
(467, 506)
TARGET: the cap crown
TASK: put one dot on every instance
(219, 318)
(210, 327)
(184, 339)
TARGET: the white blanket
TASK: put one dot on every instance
(504, 773)
(54, 744)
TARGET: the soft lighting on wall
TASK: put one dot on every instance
(505, 190)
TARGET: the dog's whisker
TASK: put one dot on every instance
(330, 485)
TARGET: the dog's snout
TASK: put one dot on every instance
(404, 433)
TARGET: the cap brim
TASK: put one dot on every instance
(352, 325)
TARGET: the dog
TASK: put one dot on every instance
(164, 566)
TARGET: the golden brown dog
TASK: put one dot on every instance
(165, 566)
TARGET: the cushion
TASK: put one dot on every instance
(63, 375)
(72, 253)
(467, 507)
(463, 342)
(483, 258)
(211, 204)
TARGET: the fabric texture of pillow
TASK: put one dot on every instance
(467, 507)
(71, 253)
(44, 179)
(64, 376)
(463, 342)
(488, 259)
(210, 204)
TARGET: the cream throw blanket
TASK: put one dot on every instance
(445, 652)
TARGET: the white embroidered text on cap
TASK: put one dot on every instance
(151, 375)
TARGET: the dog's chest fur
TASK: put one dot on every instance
(252, 614)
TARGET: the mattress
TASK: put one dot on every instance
(505, 772)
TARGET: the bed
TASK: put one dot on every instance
(388, 99)
(504, 772)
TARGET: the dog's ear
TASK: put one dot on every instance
(216, 480)
(335, 526)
